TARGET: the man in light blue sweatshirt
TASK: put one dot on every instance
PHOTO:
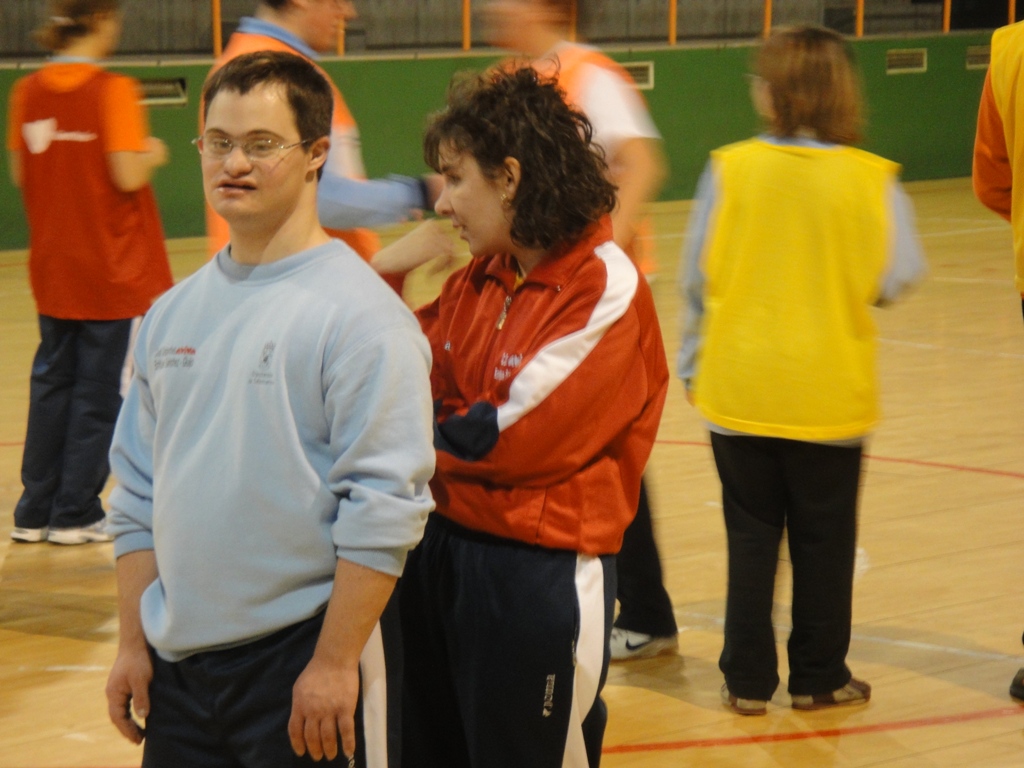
(347, 201)
(272, 458)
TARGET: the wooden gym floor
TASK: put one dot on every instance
(939, 597)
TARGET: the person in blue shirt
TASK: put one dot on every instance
(272, 459)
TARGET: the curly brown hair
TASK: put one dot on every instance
(563, 187)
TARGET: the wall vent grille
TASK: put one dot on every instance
(978, 56)
(905, 61)
(642, 73)
(165, 93)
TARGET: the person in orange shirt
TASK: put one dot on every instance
(999, 156)
(81, 153)
(605, 93)
(348, 203)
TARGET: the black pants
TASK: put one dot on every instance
(74, 399)
(644, 605)
(230, 708)
(810, 490)
(506, 652)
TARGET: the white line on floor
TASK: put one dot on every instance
(864, 638)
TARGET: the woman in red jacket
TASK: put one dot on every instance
(549, 378)
(81, 153)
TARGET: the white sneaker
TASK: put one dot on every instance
(627, 645)
(96, 532)
(29, 535)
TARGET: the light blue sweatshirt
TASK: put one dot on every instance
(280, 418)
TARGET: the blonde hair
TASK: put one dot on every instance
(813, 83)
(72, 19)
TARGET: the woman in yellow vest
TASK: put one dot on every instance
(794, 237)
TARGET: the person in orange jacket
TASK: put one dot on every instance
(606, 94)
(999, 157)
(549, 378)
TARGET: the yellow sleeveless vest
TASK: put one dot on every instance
(1007, 59)
(794, 256)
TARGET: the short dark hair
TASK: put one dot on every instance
(813, 81)
(563, 187)
(275, 4)
(309, 94)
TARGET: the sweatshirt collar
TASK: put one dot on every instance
(257, 274)
(795, 141)
(60, 58)
(253, 26)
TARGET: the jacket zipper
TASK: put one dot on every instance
(504, 312)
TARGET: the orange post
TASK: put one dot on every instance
(947, 6)
(573, 18)
(218, 36)
(860, 18)
(467, 31)
(767, 19)
(341, 38)
(1012, 11)
(673, 20)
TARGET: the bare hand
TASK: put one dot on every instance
(428, 241)
(323, 706)
(127, 685)
(158, 149)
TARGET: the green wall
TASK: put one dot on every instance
(924, 121)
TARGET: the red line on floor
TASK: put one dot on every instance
(872, 457)
(691, 443)
(899, 725)
(955, 467)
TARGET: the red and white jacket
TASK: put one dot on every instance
(547, 395)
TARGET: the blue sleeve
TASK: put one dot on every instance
(691, 276)
(381, 429)
(131, 462)
(345, 203)
(469, 436)
(906, 260)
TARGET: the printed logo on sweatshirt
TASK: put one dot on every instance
(174, 357)
(507, 366)
(262, 373)
(40, 134)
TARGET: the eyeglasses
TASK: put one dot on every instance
(219, 147)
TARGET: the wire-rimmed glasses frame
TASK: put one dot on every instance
(256, 149)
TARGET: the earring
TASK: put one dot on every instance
(505, 202)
